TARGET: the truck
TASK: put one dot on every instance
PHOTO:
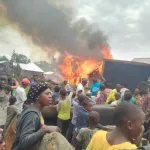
(129, 73)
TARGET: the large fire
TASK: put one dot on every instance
(75, 68)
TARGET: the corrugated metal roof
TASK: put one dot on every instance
(30, 67)
(2, 62)
(142, 60)
(48, 73)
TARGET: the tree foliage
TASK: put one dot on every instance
(16, 59)
(3, 58)
(19, 58)
(45, 66)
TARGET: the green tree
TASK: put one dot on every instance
(19, 58)
(45, 66)
(3, 58)
(16, 59)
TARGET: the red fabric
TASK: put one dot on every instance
(25, 81)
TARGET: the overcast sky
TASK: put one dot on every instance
(125, 22)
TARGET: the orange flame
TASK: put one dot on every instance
(73, 69)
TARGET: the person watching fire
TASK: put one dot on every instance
(80, 87)
(96, 85)
(111, 96)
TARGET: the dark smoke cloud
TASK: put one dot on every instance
(50, 26)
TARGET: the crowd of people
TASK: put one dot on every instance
(81, 129)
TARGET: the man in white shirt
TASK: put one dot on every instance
(80, 87)
(21, 94)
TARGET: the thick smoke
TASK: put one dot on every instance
(52, 26)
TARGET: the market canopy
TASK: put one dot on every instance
(31, 67)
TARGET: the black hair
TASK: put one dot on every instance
(94, 80)
(125, 110)
(81, 98)
(118, 85)
(127, 95)
(85, 103)
(63, 92)
(9, 79)
(65, 81)
(143, 85)
(108, 84)
(93, 115)
(12, 100)
(57, 88)
(102, 87)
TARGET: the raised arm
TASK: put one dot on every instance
(17, 84)
(102, 78)
(58, 106)
(70, 96)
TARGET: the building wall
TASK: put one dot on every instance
(30, 74)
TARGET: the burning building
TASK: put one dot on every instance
(73, 69)
(55, 28)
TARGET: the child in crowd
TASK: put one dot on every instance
(77, 104)
(12, 111)
(55, 96)
(82, 116)
(102, 96)
(90, 98)
(117, 97)
(111, 96)
(129, 120)
(63, 108)
(82, 119)
(128, 97)
(138, 97)
(85, 134)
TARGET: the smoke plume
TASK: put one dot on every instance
(51, 25)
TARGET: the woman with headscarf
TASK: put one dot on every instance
(30, 125)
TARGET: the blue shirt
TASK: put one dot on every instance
(33, 83)
(77, 108)
(82, 119)
(95, 88)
